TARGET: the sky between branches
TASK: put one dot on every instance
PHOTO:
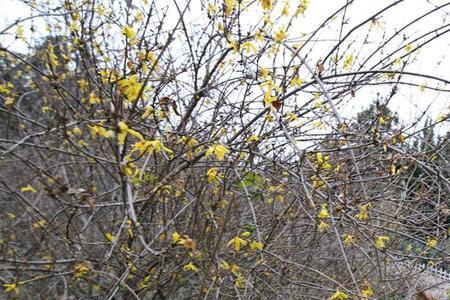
(409, 102)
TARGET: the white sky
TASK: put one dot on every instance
(409, 102)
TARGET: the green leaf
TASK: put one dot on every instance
(248, 227)
(252, 180)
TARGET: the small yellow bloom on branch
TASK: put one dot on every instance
(363, 212)
(129, 32)
(218, 150)
(338, 295)
(323, 212)
(380, 241)
(11, 287)
(431, 242)
(190, 267)
(110, 237)
(238, 243)
(212, 174)
(27, 188)
(40, 224)
(254, 245)
(80, 269)
(322, 227)
(349, 239)
(266, 4)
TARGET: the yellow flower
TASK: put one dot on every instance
(27, 188)
(379, 241)
(409, 48)
(83, 143)
(323, 212)
(296, 82)
(348, 62)
(129, 32)
(442, 117)
(94, 99)
(40, 224)
(229, 6)
(398, 61)
(20, 33)
(248, 47)
(322, 227)
(237, 242)
(422, 87)
(234, 269)
(256, 245)
(317, 182)
(290, 117)
(110, 237)
(302, 7)
(77, 131)
(264, 73)
(253, 138)
(101, 131)
(218, 150)
(130, 228)
(212, 174)
(123, 131)
(80, 269)
(234, 45)
(155, 146)
(258, 36)
(431, 242)
(266, 4)
(349, 239)
(269, 99)
(158, 146)
(212, 9)
(367, 292)
(9, 101)
(285, 10)
(363, 214)
(131, 87)
(190, 267)
(176, 237)
(224, 265)
(239, 282)
(144, 283)
(338, 295)
(11, 287)
(269, 118)
(279, 35)
(319, 158)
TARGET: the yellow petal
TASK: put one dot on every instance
(379, 241)
(110, 237)
(190, 267)
(324, 212)
(224, 265)
(338, 295)
(256, 245)
(218, 150)
(175, 237)
(27, 188)
(129, 32)
(212, 174)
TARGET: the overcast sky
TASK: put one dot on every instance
(409, 102)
